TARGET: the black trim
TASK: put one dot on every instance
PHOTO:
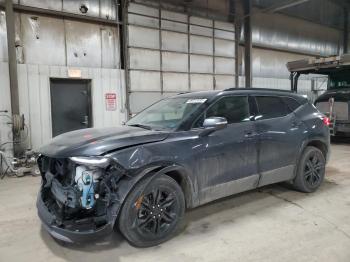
(273, 96)
(48, 219)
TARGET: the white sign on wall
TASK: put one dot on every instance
(111, 101)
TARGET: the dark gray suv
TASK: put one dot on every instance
(179, 153)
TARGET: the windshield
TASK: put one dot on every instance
(166, 114)
(339, 81)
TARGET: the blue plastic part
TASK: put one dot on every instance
(87, 198)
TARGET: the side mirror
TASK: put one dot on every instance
(213, 124)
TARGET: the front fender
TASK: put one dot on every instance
(127, 184)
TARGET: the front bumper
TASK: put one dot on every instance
(65, 235)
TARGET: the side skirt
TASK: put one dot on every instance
(277, 175)
(229, 188)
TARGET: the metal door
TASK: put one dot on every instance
(70, 105)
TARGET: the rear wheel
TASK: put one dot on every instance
(152, 212)
(311, 170)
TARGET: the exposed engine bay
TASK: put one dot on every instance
(79, 193)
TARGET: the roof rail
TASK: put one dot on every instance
(256, 88)
(230, 89)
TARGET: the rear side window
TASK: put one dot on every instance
(291, 103)
(271, 107)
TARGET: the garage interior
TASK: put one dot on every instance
(67, 65)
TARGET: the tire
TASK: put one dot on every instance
(311, 170)
(152, 212)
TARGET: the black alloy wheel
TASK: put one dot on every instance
(152, 212)
(156, 213)
(311, 170)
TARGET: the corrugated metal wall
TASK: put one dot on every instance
(171, 52)
(96, 8)
(324, 12)
(278, 38)
(53, 41)
(5, 104)
(47, 48)
(278, 31)
(34, 86)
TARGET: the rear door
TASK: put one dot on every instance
(278, 131)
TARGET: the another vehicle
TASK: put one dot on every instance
(335, 102)
(179, 153)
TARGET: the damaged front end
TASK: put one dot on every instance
(78, 199)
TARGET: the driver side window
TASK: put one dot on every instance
(234, 108)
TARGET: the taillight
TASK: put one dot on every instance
(326, 121)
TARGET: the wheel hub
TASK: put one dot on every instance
(156, 211)
(313, 169)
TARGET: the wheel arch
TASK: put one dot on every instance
(175, 171)
(180, 175)
(319, 145)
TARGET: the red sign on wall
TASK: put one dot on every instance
(111, 101)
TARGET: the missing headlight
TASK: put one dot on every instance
(85, 180)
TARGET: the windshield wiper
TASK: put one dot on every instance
(141, 126)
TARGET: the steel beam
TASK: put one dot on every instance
(237, 10)
(346, 30)
(126, 56)
(284, 5)
(237, 53)
(247, 7)
(12, 60)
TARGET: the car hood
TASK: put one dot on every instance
(338, 95)
(98, 141)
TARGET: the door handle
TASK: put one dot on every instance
(295, 124)
(249, 133)
(86, 121)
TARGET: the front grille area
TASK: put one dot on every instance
(61, 196)
(340, 109)
(61, 168)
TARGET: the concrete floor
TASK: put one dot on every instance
(270, 224)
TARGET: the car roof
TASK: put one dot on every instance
(246, 91)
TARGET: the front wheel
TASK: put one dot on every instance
(152, 212)
(311, 170)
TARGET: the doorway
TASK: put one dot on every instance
(70, 105)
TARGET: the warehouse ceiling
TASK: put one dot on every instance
(324, 12)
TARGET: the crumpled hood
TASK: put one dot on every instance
(98, 141)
